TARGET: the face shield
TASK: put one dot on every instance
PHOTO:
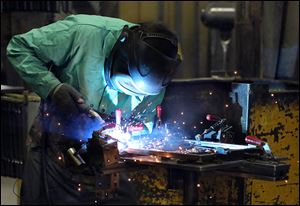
(136, 68)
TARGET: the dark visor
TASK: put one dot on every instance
(152, 67)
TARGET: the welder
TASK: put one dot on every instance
(80, 64)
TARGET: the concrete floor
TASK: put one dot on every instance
(10, 186)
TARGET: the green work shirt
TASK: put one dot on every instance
(76, 47)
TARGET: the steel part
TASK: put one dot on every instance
(264, 170)
(77, 159)
(240, 98)
(188, 157)
(107, 132)
(235, 163)
(220, 145)
(110, 154)
(101, 152)
(250, 157)
(180, 164)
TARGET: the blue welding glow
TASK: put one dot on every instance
(80, 128)
(167, 137)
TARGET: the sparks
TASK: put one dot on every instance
(226, 105)
(59, 158)
(198, 185)
(210, 93)
(272, 95)
(235, 72)
(181, 113)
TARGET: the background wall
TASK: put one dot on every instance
(265, 39)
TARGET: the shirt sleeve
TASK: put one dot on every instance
(30, 53)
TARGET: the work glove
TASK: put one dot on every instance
(68, 101)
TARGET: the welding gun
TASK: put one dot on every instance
(91, 113)
(122, 130)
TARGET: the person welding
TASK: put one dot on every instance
(83, 66)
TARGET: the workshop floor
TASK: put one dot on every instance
(10, 186)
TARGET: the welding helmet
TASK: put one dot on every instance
(134, 67)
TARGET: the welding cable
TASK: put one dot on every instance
(44, 153)
(102, 96)
(45, 124)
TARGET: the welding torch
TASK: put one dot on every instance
(88, 110)
(131, 129)
(111, 128)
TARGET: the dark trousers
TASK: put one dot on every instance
(63, 186)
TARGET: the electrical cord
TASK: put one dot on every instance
(44, 152)
(102, 96)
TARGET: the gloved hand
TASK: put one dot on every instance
(68, 100)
